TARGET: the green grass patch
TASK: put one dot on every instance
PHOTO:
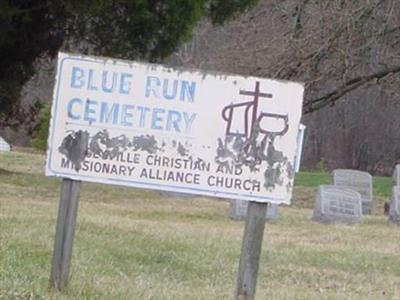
(381, 185)
(312, 179)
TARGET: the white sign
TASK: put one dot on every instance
(150, 126)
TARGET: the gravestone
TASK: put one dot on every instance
(4, 146)
(358, 181)
(335, 204)
(396, 175)
(394, 210)
(238, 210)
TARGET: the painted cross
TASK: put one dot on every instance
(256, 117)
(256, 94)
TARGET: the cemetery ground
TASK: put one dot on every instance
(134, 244)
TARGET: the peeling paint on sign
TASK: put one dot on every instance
(182, 150)
(145, 143)
(255, 153)
(75, 147)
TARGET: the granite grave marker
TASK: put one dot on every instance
(4, 146)
(394, 210)
(337, 205)
(396, 175)
(358, 181)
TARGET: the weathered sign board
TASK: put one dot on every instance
(149, 126)
(335, 204)
(358, 181)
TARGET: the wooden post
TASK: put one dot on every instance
(65, 229)
(251, 249)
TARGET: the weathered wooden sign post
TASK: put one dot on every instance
(65, 229)
(251, 250)
(148, 126)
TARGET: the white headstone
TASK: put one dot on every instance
(396, 175)
(4, 146)
(238, 210)
(394, 210)
(335, 204)
(357, 181)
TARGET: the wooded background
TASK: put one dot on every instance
(348, 55)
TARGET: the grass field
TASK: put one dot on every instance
(133, 244)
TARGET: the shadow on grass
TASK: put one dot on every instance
(10, 173)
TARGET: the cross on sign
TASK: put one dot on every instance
(228, 112)
(256, 94)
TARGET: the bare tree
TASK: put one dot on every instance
(348, 55)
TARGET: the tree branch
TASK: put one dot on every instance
(332, 97)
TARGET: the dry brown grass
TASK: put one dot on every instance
(133, 244)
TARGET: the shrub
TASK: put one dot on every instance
(320, 166)
(41, 130)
